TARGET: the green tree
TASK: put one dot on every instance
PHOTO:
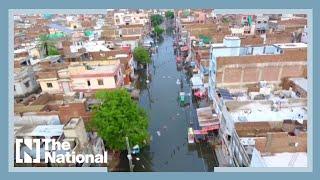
(169, 14)
(141, 55)
(47, 46)
(156, 20)
(158, 31)
(53, 51)
(117, 117)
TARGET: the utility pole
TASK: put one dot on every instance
(129, 154)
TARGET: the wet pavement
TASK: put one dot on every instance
(169, 149)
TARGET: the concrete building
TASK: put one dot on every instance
(45, 109)
(130, 18)
(24, 81)
(73, 132)
(95, 75)
(255, 128)
(234, 66)
(85, 77)
(261, 24)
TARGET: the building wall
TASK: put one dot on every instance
(296, 88)
(257, 129)
(78, 131)
(81, 83)
(55, 86)
(20, 88)
(243, 75)
(245, 70)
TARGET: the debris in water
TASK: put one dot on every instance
(151, 137)
(143, 166)
(178, 114)
(138, 159)
(178, 82)
(164, 127)
(158, 132)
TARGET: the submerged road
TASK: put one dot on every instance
(169, 149)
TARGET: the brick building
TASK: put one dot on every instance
(235, 66)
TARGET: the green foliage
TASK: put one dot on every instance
(47, 45)
(156, 20)
(225, 20)
(169, 14)
(141, 55)
(158, 30)
(53, 51)
(119, 116)
(205, 39)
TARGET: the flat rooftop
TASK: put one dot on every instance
(258, 111)
(72, 123)
(298, 159)
(106, 68)
(291, 45)
(39, 130)
(302, 82)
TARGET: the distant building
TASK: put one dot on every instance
(130, 18)
(261, 24)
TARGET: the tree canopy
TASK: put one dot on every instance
(118, 117)
(169, 14)
(156, 20)
(141, 55)
(47, 45)
(158, 30)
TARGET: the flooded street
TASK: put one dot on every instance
(169, 149)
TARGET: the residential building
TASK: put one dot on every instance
(24, 81)
(131, 18)
(233, 65)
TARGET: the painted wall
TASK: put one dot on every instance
(55, 86)
(81, 83)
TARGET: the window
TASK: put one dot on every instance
(88, 82)
(49, 85)
(14, 87)
(27, 84)
(100, 82)
(116, 78)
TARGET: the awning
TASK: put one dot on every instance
(196, 82)
(207, 118)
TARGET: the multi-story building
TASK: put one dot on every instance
(88, 77)
(130, 18)
(24, 81)
(234, 66)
